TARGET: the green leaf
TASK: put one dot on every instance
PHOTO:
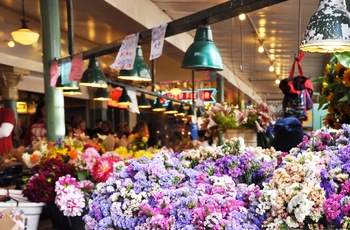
(320, 79)
(345, 98)
(82, 175)
(322, 102)
(343, 58)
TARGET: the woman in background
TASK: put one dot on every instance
(36, 129)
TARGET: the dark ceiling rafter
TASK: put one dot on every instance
(208, 16)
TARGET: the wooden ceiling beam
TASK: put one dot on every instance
(208, 16)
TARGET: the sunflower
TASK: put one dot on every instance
(346, 78)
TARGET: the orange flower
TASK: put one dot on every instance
(34, 158)
(347, 78)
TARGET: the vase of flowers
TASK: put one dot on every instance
(245, 123)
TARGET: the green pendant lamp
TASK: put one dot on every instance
(72, 92)
(202, 55)
(190, 111)
(124, 99)
(143, 102)
(181, 111)
(328, 30)
(93, 75)
(170, 109)
(140, 71)
(69, 86)
(158, 106)
(101, 94)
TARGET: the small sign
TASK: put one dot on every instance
(157, 43)
(76, 71)
(21, 107)
(53, 73)
(127, 52)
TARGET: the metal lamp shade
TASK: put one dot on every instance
(328, 30)
(93, 76)
(190, 111)
(101, 94)
(143, 102)
(170, 109)
(181, 111)
(140, 71)
(72, 92)
(124, 98)
(158, 106)
(71, 85)
(202, 54)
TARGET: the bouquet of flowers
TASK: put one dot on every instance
(335, 91)
(66, 174)
(230, 117)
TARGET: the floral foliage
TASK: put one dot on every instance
(229, 117)
(336, 90)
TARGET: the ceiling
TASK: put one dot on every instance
(100, 22)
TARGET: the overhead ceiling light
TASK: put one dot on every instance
(140, 71)
(11, 44)
(328, 30)
(241, 17)
(170, 109)
(69, 85)
(202, 54)
(261, 48)
(124, 99)
(93, 75)
(101, 94)
(277, 81)
(24, 35)
(181, 111)
(143, 102)
(158, 106)
(175, 91)
(271, 68)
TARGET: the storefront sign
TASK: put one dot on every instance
(205, 94)
(21, 107)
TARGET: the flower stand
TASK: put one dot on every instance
(249, 136)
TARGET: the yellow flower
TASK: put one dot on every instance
(338, 67)
(144, 139)
(141, 153)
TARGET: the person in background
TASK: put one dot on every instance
(80, 127)
(97, 129)
(202, 138)
(36, 129)
(69, 129)
(288, 133)
(7, 120)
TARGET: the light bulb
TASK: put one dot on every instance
(277, 81)
(11, 44)
(261, 49)
(271, 68)
(241, 17)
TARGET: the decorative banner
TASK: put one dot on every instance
(133, 107)
(157, 42)
(76, 72)
(53, 73)
(127, 52)
(205, 94)
(65, 70)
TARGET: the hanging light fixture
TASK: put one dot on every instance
(328, 30)
(202, 54)
(170, 109)
(69, 85)
(181, 111)
(124, 99)
(190, 111)
(143, 102)
(101, 94)
(271, 68)
(158, 106)
(140, 71)
(261, 48)
(24, 35)
(72, 92)
(93, 75)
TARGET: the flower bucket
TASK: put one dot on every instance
(249, 136)
(31, 211)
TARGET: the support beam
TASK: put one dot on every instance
(208, 16)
